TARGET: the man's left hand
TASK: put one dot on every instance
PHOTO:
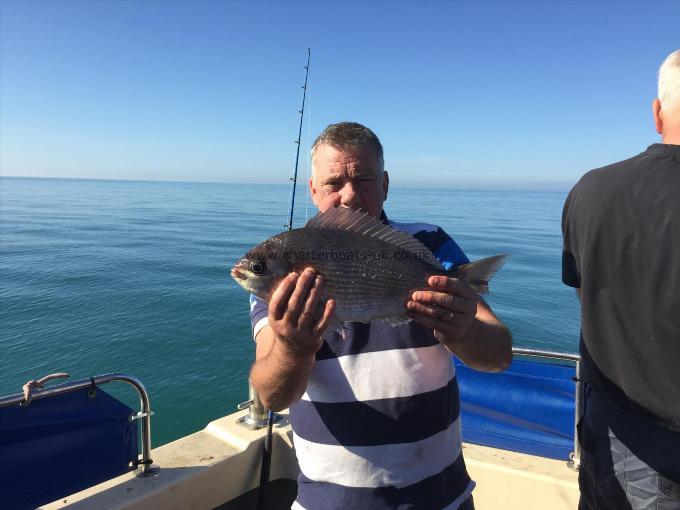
(449, 308)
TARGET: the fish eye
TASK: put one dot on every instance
(257, 267)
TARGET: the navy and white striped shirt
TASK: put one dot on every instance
(379, 424)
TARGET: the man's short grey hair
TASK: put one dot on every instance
(349, 135)
(669, 82)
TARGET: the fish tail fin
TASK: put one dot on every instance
(478, 273)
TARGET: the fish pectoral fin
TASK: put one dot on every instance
(397, 320)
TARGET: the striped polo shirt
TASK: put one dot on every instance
(379, 424)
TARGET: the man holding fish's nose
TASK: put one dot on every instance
(374, 406)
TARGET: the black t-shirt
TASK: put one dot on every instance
(621, 228)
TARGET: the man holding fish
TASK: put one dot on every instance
(355, 319)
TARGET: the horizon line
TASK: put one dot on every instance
(527, 185)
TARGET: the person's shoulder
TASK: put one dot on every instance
(414, 227)
(259, 310)
(610, 173)
(429, 234)
(444, 248)
(257, 306)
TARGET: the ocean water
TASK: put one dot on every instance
(116, 276)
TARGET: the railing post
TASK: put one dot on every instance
(575, 457)
(574, 461)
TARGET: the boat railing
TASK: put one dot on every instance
(143, 465)
(575, 456)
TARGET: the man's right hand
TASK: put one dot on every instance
(293, 312)
(286, 347)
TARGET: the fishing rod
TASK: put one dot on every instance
(267, 449)
(299, 138)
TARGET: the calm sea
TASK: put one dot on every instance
(114, 276)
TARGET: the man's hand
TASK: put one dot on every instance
(286, 347)
(293, 312)
(463, 322)
(449, 309)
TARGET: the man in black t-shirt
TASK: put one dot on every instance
(621, 228)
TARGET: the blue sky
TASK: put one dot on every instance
(488, 94)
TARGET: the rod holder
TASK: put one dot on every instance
(258, 414)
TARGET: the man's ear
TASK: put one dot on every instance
(312, 189)
(656, 111)
(386, 184)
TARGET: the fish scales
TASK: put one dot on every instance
(357, 270)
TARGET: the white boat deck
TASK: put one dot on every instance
(211, 467)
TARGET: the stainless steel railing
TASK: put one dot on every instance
(575, 457)
(144, 465)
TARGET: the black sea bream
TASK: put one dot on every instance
(370, 269)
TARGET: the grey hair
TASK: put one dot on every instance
(346, 135)
(669, 81)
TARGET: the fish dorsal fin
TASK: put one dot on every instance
(362, 223)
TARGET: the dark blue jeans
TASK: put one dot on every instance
(627, 463)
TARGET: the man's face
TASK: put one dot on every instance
(348, 177)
